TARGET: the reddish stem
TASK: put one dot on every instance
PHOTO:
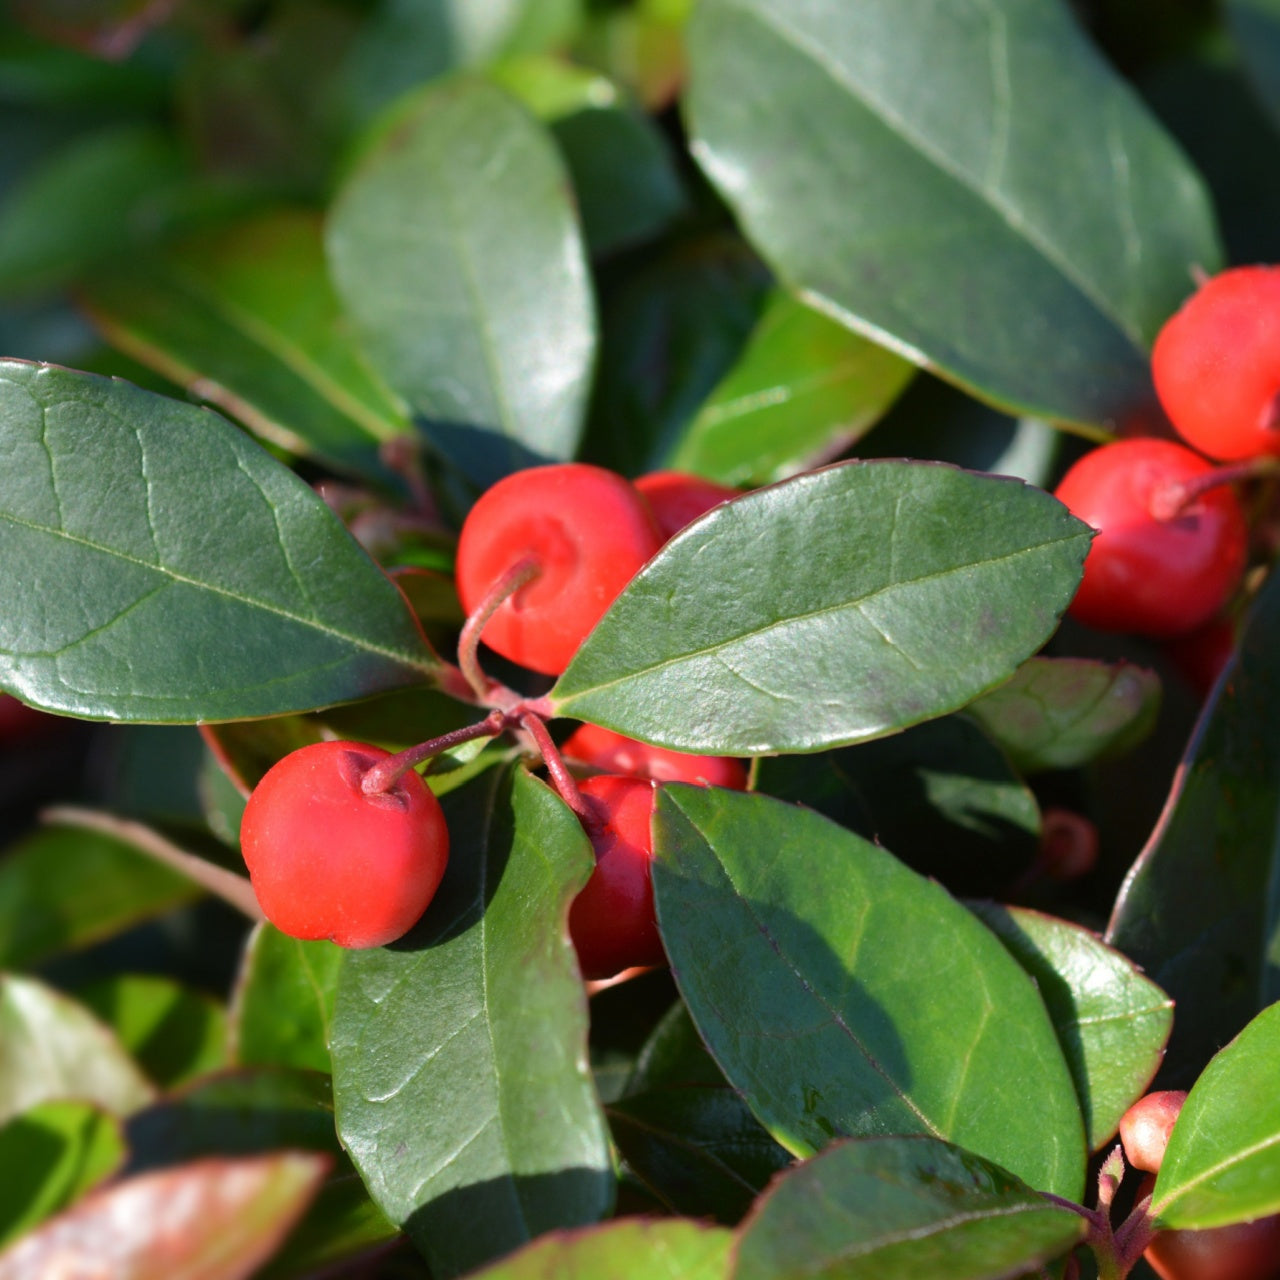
(1172, 500)
(503, 589)
(386, 773)
(563, 781)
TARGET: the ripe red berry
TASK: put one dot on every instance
(1149, 571)
(1146, 1126)
(1202, 654)
(587, 529)
(1216, 365)
(678, 498)
(329, 861)
(19, 722)
(613, 753)
(612, 921)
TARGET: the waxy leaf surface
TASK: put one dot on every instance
(457, 252)
(156, 564)
(1200, 908)
(916, 169)
(216, 1219)
(1222, 1164)
(459, 1054)
(1111, 1021)
(901, 1209)
(844, 995)
(803, 388)
(1060, 713)
(635, 1250)
(246, 318)
(830, 609)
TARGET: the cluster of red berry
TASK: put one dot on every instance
(1172, 538)
(345, 841)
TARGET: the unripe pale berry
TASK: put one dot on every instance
(614, 753)
(1150, 571)
(612, 921)
(1146, 1126)
(587, 530)
(678, 498)
(1216, 365)
(328, 861)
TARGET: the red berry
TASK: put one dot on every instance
(678, 498)
(1068, 844)
(19, 722)
(1242, 1251)
(588, 530)
(1146, 574)
(612, 921)
(1146, 1126)
(613, 753)
(1216, 365)
(328, 861)
(1202, 654)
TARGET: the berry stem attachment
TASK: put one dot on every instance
(563, 781)
(386, 773)
(503, 588)
(1172, 500)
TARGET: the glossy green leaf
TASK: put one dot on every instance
(919, 171)
(1222, 1164)
(174, 1033)
(459, 1053)
(844, 995)
(62, 1149)
(940, 796)
(63, 887)
(686, 1133)
(1200, 909)
(1255, 26)
(804, 388)
(245, 317)
(626, 1250)
(901, 1209)
(158, 565)
(1111, 1021)
(283, 1003)
(831, 609)
(458, 255)
(621, 166)
(1060, 713)
(218, 1219)
(52, 1048)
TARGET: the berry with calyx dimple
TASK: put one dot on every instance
(585, 530)
(614, 753)
(612, 921)
(1159, 566)
(678, 498)
(1216, 365)
(1146, 1126)
(329, 861)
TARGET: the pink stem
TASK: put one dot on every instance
(1171, 500)
(503, 589)
(386, 773)
(563, 781)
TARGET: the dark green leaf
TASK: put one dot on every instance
(216, 1219)
(637, 1250)
(918, 170)
(158, 565)
(1199, 911)
(836, 607)
(457, 253)
(174, 1033)
(1222, 1164)
(245, 317)
(466, 1041)
(53, 1048)
(1255, 24)
(1060, 713)
(62, 1149)
(941, 796)
(803, 389)
(844, 995)
(1112, 1022)
(64, 887)
(901, 1209)
(620, 164)
(283, 1003)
